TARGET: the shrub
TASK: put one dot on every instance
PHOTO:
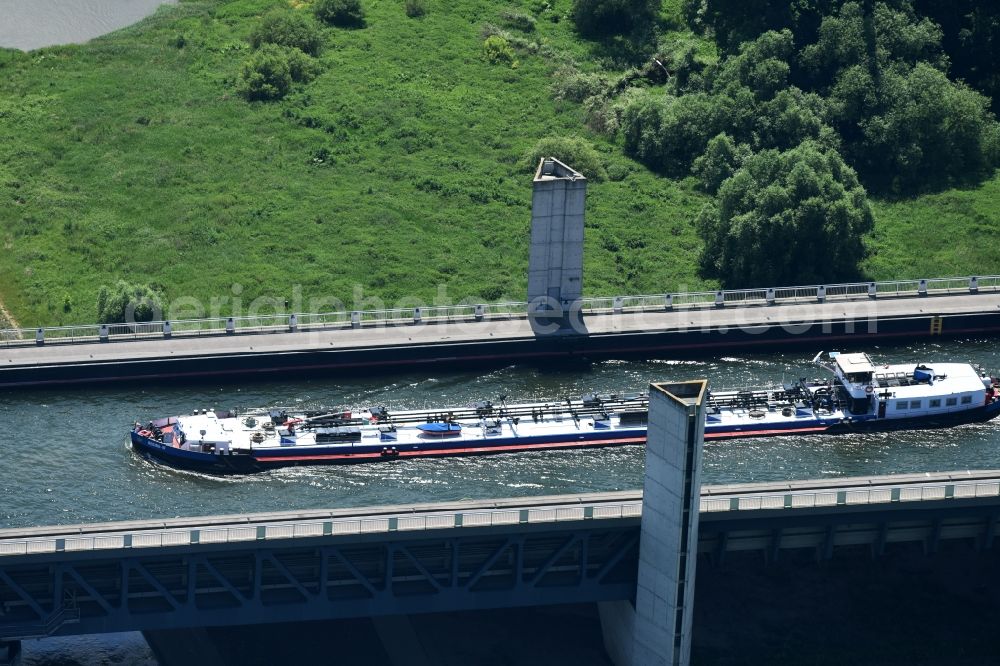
(538, 7)
(572, 151)
(302, 68)
(497, 50)
(576, 86)
(288, 28)
(415, 8)
(341, 13)
(265, 75)
(126, 303)
(517, 20)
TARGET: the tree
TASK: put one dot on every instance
(784, 218)
(732, 22)
(761, 66)
(667, 134)
(341, 13)
(971, 38)
(127, 303)
(934, 132)
(720, 160)
(604, 18)
(876, 40)
(287, 28)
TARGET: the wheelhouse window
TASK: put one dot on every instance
(914, 404)
(936, 402)
(966, 399)
(951, 402)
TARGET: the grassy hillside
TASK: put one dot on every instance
(400, 170)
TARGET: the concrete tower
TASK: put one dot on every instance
(555, 261)
(657, 631)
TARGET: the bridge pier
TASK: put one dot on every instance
(555, 259)
(657, 629)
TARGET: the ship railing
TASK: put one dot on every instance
(283, 322)
(578, 408)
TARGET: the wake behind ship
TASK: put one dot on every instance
(859, 395)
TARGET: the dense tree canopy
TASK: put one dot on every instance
(603, 18)
(872, 84)
(786, 217)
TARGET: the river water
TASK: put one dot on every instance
(65, 455)
(32, 24)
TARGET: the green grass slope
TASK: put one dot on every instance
(398, 174)
(400, 170)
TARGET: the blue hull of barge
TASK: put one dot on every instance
(328, 455)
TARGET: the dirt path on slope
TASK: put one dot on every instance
(7, 319)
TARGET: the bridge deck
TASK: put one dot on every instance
(213, 571)
(505, 513)
(859, 309)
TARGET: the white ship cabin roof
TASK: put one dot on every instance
(949, 379)
(852, 365)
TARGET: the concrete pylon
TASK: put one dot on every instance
(657, 630)
(555, 260)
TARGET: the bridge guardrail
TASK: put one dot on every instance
(850, 497)
(315, 528)
(408, 522)
(278, 323)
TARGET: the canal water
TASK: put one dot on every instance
(64, 455)
(32, 24)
